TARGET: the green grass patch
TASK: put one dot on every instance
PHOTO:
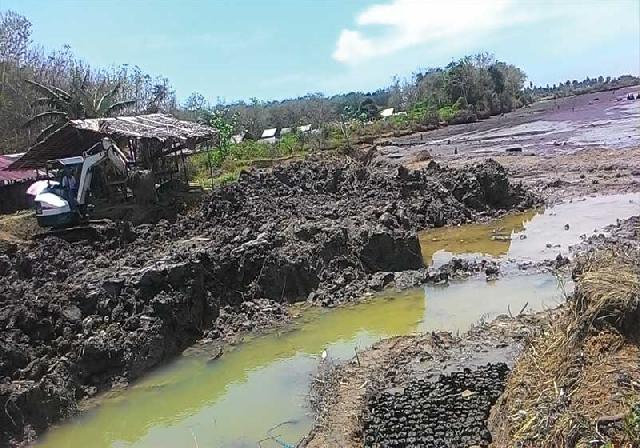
(632, 423)
(208, 169)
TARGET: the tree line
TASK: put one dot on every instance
(587, 85)
(40, 90)
(465, 90)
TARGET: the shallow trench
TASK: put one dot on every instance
(233, 401)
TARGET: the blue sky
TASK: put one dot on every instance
(273, 49)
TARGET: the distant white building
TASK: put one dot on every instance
(268, 136)
(271, 135)
(384, 113)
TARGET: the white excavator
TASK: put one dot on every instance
(62, 203)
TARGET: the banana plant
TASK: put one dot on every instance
(76, 104)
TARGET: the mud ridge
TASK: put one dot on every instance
(78, 318)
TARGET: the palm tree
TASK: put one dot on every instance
(159, 94)
(76, 104)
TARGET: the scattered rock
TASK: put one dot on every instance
(452, 411)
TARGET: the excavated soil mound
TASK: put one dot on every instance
(76, 318)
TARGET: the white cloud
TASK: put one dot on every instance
(409, 23)
(449, 24)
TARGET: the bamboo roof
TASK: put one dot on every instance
(77, 135)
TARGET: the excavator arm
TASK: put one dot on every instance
(109, 152)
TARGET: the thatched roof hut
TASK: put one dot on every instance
(147, 138)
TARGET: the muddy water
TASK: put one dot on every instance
(531, 236)
(492, 239)
(233, 401)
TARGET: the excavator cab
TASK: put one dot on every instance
(56, 204)
(62, 201)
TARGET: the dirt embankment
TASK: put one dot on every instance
(578, 383)
(429, 384)
(575, 378)
(76, 318)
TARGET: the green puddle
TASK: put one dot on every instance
(263, 382)
(235, 400)
(491, 239)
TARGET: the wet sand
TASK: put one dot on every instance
(561, 148)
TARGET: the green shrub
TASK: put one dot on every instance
(289, 144)
(447, 113)
(423, 113)
(400, 121)
(463, 116)
(226, 178)
(632, 423)
(249, 149)
(461, 103)
(216, 167)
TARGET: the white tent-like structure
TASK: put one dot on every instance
(268, 133)
(268, 136)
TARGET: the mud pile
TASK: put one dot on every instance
(77, 318)
(450, 412)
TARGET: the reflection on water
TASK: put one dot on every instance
(534, 235)
(233, 401)
(491, 239)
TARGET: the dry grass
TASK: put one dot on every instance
(609, 293)
(584, 369)
(18, 227)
